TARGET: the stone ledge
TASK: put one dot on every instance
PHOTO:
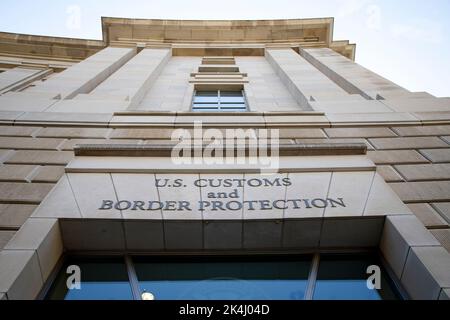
(120, 150)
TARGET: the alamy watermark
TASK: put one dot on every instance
(227, 147)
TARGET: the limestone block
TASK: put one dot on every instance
(30, 193)
(425, 171)
(396, 157)
(426, 272)
(359, 132)
(353, 188)
(90, 189)
(389, 174)
(40, 157)
(400, 233)
(422, 191)
(20, 274)
(73, 133)
(16, 173)
(14, 215)
(60, 203)
(29, 143)
(408, 143)
(427, 215)
(18, 131)
(42, 235)
(436, 155)
(417, 131)
(48, 174)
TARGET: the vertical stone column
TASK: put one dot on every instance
(86, 75)
(303, 80)
(132, 81)
(352, 77)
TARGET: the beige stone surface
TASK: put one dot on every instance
(70, 144)
(359, 106)
(444, 209)
(359, 132)
(354, 188)
(443, 236)
(29, 143)
(89, 191)
(436, 155)
(427, 215)
(63, 117)
(400, 233)
(264, 193)
(18, 131)
(60, 203)
(396, 157)
(382, 200)
(408, 143)
(5, 236)
(137, 187)
(426, 272)
(307, 186)
(54, 132)
(211, 193)
(14, 215)
(5, 154)
(42, 235)
(338, 140)
(417, 131)
(425, 171)
(16, 173)
(144, 133)
(389, 174)
(301, 133)
(422, 191)
(418, 105)
(40, 157)
(371, 118)
(48, 174)
(186, 191)
(84, 76)
(20, 274)
(30, 193)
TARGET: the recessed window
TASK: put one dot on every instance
(219, 101)
(260, 277)
(99, 279)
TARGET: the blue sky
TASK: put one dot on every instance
(403, 40)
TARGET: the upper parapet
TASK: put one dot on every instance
(225, 33)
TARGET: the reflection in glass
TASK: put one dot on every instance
(101, 279)
(344, 277)
(215, 278)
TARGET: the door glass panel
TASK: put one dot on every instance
(214, 278)
(101, 279)
(344, 277)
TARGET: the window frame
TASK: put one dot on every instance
(134, 281)
(218, 105)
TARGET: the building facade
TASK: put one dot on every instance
(331, 173)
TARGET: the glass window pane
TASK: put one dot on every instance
(101, 279)
(214, 278)
(206, 97)
(232, 106)
(231, 97)
(344, 277)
